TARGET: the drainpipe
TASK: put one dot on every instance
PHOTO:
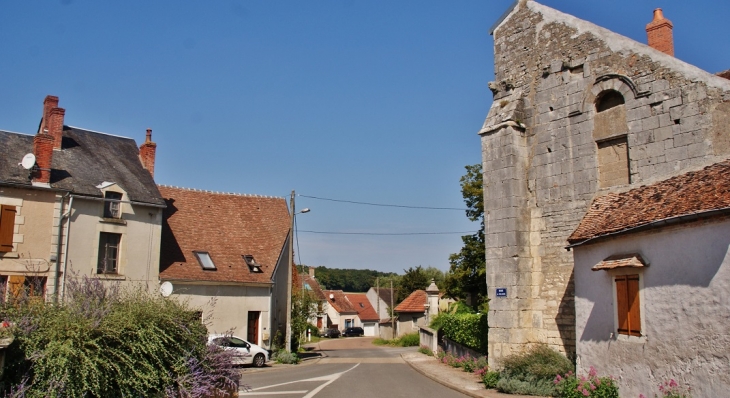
(59, 246)
(68, 232)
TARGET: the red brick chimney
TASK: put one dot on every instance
(659, 33)
(147, 153)
(53, 120)
(43, 151)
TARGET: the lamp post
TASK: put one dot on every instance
(289, 272)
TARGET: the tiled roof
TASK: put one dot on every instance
(689, 194)
(225, 225)
(314, 287)
(86, 159)
(621, 261)
(415, 302)
(340, 302)
(362, 305)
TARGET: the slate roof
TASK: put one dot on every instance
(385, 294)
(225, 225)
(672, 200)
(340, 302)
(86, 159)
(415, 302)
(314, 287)
(362, 305)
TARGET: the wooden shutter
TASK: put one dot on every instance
(7, 227)
(634, 321)
(15, 285)
(627, 305)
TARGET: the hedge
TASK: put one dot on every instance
(466, 329)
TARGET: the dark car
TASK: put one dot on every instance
(331, 333)
(356, 331)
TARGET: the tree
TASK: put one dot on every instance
(413, 279)
(436, 274)
(466, 277)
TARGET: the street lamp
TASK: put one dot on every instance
(288, 276)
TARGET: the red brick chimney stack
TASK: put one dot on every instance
(43, 151)
(53, 120)
(659, 33)
(147, 153)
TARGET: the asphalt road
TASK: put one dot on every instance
(350, 368)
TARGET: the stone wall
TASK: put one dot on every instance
(547, 152)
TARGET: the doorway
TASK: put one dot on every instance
(252, 334)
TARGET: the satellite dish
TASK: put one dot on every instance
(28, 161)
(332, 296)
(166, 289)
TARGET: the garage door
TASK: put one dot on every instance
(369, 329)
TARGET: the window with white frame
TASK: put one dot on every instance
(112, 204)
(108, 259)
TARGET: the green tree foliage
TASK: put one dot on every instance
(413, 279)
(464, 328)
(467, 275)
(436, 274)
(349, 280)
(103, 342)
(303, 308)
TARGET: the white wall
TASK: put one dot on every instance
(685, 311)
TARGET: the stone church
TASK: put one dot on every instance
(579, 112)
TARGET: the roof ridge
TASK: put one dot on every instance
(99, 132)
(15, 132)
(248, 195)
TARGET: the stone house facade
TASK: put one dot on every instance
(85, 203)
(578, 112)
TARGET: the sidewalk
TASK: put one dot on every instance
(456, 379)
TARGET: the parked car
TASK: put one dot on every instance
(356, 331)
(331, 333)
(245, 352)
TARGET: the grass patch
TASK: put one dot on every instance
(407, 340)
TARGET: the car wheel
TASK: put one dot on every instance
(259, 360)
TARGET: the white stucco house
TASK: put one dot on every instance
(652, 284)
(227, 255)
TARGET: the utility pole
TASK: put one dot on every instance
(377, 294)
(289, 278)
(392, 309)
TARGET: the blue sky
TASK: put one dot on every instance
(368, 101)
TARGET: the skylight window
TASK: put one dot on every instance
(253, 266)
(204, 260)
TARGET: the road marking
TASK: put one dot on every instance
(324, 361)
(328, 379)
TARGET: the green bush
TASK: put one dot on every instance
(533, 372)
(425, 350)
(466, 329)
(409, 340)
(283, 356)
(490, 379)
(105, 343)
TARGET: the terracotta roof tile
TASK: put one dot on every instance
(314, 287)
(621, 261)
(225, 225)
(415, 302)
(340, 302)
(691, 193)
(362, 305)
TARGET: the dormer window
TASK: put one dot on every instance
(112, 206)
(204, 260)
(253, 266)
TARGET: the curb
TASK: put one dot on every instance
(440, 381)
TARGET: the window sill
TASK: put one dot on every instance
(114, 277)
(9, 255)
(630, 339)
(118, 221)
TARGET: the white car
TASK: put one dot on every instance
(246, 353)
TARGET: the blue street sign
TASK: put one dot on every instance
(501, 292)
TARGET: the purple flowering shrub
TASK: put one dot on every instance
(571, 386)
(672, 389)
(105, 342)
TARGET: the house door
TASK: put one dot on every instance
(319, 322)
(253, 327)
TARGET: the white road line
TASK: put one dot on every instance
(328, 379)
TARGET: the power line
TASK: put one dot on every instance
(382, 204)
(386, 233)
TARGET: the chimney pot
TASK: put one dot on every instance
(659, 33)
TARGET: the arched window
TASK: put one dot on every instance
(610, 132)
